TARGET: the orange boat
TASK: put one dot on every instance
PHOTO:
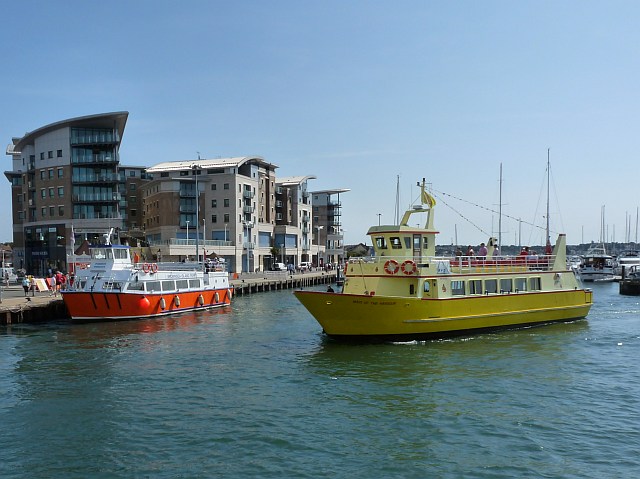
(114, 287)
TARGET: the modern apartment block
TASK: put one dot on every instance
(67, 174)
(329, 236)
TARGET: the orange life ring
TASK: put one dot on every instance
(146, 267)
(153, 268)
(391, 266)
(409, 267)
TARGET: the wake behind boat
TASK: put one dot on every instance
(115, 287)
(406, 292)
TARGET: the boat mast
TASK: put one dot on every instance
(548, 174)
(397, 218)
(500, 214)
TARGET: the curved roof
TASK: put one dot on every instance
(214, 163)
(330, 192)
(115, 120)
(293, 180)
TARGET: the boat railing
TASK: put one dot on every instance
(463, 264)
(180, 266)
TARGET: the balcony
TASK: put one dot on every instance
(188, 209)
(94, 138)
(187, 193)
(248, 209)
(107, 178)
(248, 245)
(96, 198)
(248, 194)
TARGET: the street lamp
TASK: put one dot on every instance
(187, 232)
(318, 228)
(282, 252)
(225, 232)
(196, 170)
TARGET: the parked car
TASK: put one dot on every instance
(279, 267)
(305, 266)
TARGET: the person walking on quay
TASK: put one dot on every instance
(26, 284)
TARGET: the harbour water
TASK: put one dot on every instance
(256, 390)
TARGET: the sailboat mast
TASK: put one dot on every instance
(548, 174)
(397, 218)
(500, 213)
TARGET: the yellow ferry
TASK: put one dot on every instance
(406, 292)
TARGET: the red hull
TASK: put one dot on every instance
(117, 305)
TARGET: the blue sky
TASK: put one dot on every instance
(357, 93)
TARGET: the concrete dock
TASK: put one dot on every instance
(40, 307)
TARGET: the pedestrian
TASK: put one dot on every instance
(25, 285)
(52, 286)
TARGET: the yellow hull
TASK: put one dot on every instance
(347, 315)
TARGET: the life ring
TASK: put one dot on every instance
(153, 267)
(146, 267)
(409, 267)
(392, 266)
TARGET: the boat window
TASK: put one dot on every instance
(152, 286)
(194, 283)
(521, 284)
(109, 254)
(427, 286)
(182, 284)
(506, 285)
(426, 242)
(407, 242)
(120, 253)
(457, 288)
(412, 289)
(534, 284)
(490, 286)
(168, 285)
(135, 286)
(475, 286)
(381, 243)
(98, 253)
(395, 242)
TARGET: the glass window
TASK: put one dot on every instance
(43, 174)
(59, 153)
(42, 155)
(43, 193)
(168, 285)
(50, 154)
(60, 210)
(132, 173)
(475, 286)
(506, 285)
(182, 284)
(194, 283)
(427, 286)
(51, 193)
(52, 211)
(534, 284)
(60, 191)
(43, 212)
(226, 218)
(395, 242)
(153, 286)
(50, 173)
(491, 286)
(214, 218)
(226, 186)
(226, 202)
(60, 173)
(132, 186)
(214, 203)
(521, 284)
(381, 242)
(457, 288)
(213, 187)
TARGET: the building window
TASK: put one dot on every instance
(52, 211)
(214, 218)
(60, 173)
(226, 202)
(43, 193)
(184, 173)
(226, 217)
(51, 194)
(226, 186)
(214, 203)
(134, 212)
(164, 174)
(59, 153)
(213, 187)
(42, 174)
(44, 212)
(51, 173)
(42, 155)
(60, 191)
(132, 173)
(132, 186)
(50, 154)
(61, 210)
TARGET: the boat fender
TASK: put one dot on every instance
(153, 268)
(145, 267)
(392, 266)
(163, 303)
(200, 300)
(144, 302)
(409, 267)
(176, 300)
(216, 297)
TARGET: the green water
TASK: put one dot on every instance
(256, 390)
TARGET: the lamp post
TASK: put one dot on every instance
(196, 170)
(225, 232)
(204, 238)
(282, 252)
(187, 232)
(318, 228)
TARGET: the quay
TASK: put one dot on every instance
(43, 307)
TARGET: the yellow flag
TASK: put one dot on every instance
(427, 199)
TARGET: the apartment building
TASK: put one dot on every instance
(67, 174)
(328, 232)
